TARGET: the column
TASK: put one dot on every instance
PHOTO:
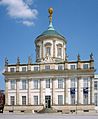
(42, 51)
(53, 48)
(41, 91)
(65, 91)
(53, 91)
(91, 90)
(17, 91)
(29, 91)
(6, 91)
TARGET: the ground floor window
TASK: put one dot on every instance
(12, 100)
(60, 99)
(23, 100)
(96, 99)
(35, 100)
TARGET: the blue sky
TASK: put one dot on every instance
(21, 21)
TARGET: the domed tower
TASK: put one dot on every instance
(50, 45)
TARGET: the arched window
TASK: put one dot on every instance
(48, 48)
(59, 50)
(38, 51)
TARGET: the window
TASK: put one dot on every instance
(47, 67)
(85, 66)
(35, 84)
(23, 100)
(38, 51)
(36, 68)
(96, 85)
(73, 82)
(96, 99)
(12, 84)
(72, 67)
(59, 51)
(60, 67)
(12, 100)
(12, 69)
(60, 83)
(72, 98)
(48, 51)
(60, 99)
(47, 83)
(23, 69)
(35, 100)
(24, 84)
(85, 98)
(85, 82)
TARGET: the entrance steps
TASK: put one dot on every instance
(48, 110)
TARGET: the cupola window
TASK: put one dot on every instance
(38, 51)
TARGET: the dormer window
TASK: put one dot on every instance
(85, 66)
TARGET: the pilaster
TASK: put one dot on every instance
(6, 91)
(29, 91)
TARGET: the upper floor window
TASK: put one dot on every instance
(36, 68)
(59, 51)
(47, 83)
(12, 100)
(35, 82)
(47, 67)
(96, 99)
(12, 84)
(85, 99)
(85, 66)
(96, 85)
(24, 82)
(73, 83)
(60, 83)
(60, 67)
(23, 69)
(12, 69)
(85, 82)
(72, 67)
(23, 100)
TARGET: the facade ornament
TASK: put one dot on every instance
(78, 57)
(18, 61)
(6, 61)
(91, 56)
(29, 60)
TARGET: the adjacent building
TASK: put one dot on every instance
(52, 82)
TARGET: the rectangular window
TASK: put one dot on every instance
(72, 67)
(60, 99)
(47, 67)
(12, 100)
(59, 51)
(47, 83)
(85, 66)
(12, 69)
(12, 84)
(85, 98)
(35, 100)
(23, 69)
(36, 68)
(72, 98)
(60, 67)
(96, 99)
(73, 83)
(96, 85)
(48, 51)
(60, 83)
(24, 82)
(23, 100)
(35, 82)
(85, 82)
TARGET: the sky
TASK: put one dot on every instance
(21, 21)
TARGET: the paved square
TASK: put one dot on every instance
(46, 116)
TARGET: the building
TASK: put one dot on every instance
(96, 92)
(2, 100)
(52, 81)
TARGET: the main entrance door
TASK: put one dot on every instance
(48, 101)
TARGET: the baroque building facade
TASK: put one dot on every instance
(52, 82)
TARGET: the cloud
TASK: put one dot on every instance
(20, 10)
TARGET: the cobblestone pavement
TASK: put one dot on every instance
(46, 116)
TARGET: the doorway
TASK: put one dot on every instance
(47, 101)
